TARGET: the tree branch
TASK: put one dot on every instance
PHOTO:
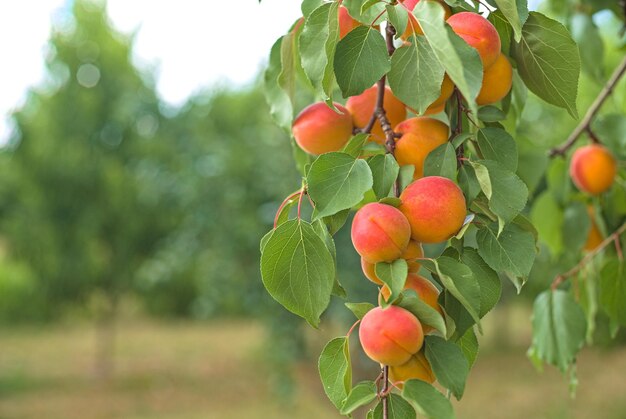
(385, 392)
(585, 124)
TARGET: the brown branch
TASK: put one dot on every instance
(585, 124)
(564, 276)
(458, 127)
(385, 392)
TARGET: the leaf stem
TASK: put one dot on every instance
(285, 202)
(352, 328)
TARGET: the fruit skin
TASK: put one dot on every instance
(416, 367)
(318, 129)
(420, 136)
(413, 26)
(594, 238)
(593, 169)
(362, 106)
(435, 208)
(479, 33)
(380, 233)
(497, 81)
(413, 251)
(346, 22)
(391, 335)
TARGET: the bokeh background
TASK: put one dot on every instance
(133, 195)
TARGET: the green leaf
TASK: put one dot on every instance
(513, 252)
(461, 62)
(406, 176)
(590, 45)
(576, 226)
(516, 12)
(318, 42)
(416, 74)
(283, 215)
(448, 363)
(322, 231)
(488, 280)
(394, 276)
(336, 221)
(490, 114)
(441, 162)
(361, 59)
(548, 61)
(559, 328)
(610, 128)
(298, 270)
(355, 145)
(359, 309)
(427, 400)
(360, 395)
(337, 181)
(398, 15)
(504, 28)
(335, 370)
(277, 99)
(425, 313)
(385, 171)
(367, 4)
(398, 408)
(468, 183)
(308, 6)
(288, 72)
(547, 217)
(265, 239)
(391, 200)
(496, 144)
(469, 346)
(613, 290)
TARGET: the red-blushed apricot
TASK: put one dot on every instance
(435, 208)
(413, 251)
(594, 238)
(319, 129)
(497, 81)
(479, 33)
(380, 233)
(391, 335)
(420, 136)
(447, 88)
(593, 169)
(413, 25)
(346, 22)
(362, 106)
(416, 367)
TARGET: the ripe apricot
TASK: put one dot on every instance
(413, 251)
(413, 26)
(362, 106)
(346, 22)
(319, 129)
(497, 81)
(380, 233)
(420, 136)
(391, 335)
(593, 169)
(416, 367)
(435, 208)
(479, 33)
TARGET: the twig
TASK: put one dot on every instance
(585, 124)
(385, 392)
(458, 128)
(564, 276)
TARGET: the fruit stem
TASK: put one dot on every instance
(585, 124)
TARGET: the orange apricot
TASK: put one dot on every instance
(346, 22)
(362, 106)
(593, 169)
(391, 335)
(479, 33)
(380, 233)
(420, 136)
(435, 208)
(319, 129)
(594, 238)
(497, 81)
(416, 367)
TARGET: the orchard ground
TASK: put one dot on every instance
(216, 370)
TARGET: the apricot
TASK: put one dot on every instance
(391, 335)
(497, 81)
(416, 367)
(447, 88)
(420, 136)
(425, 290)
(380, 233)
(479, 33)
(593, 169)
(413, 26)
(346, 22)
(319, 129)
(413, 251)
(435, 208)
(362, 106)
(594, 238)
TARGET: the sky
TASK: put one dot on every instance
(192, 44)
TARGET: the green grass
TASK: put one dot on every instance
(216, 370)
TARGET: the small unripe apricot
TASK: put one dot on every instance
(346, 22)
(497, 81)
(413, 251)
(593, 169)
(319, 129)
(380, 233)
(435, 208)
(420, 136)
(416, 367)
(479, 33)
(362, 106)
(391, 335)
(413, 25)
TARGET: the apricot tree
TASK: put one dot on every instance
(422, 150)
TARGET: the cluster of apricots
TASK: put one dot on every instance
(319, 129)
(432, 209)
